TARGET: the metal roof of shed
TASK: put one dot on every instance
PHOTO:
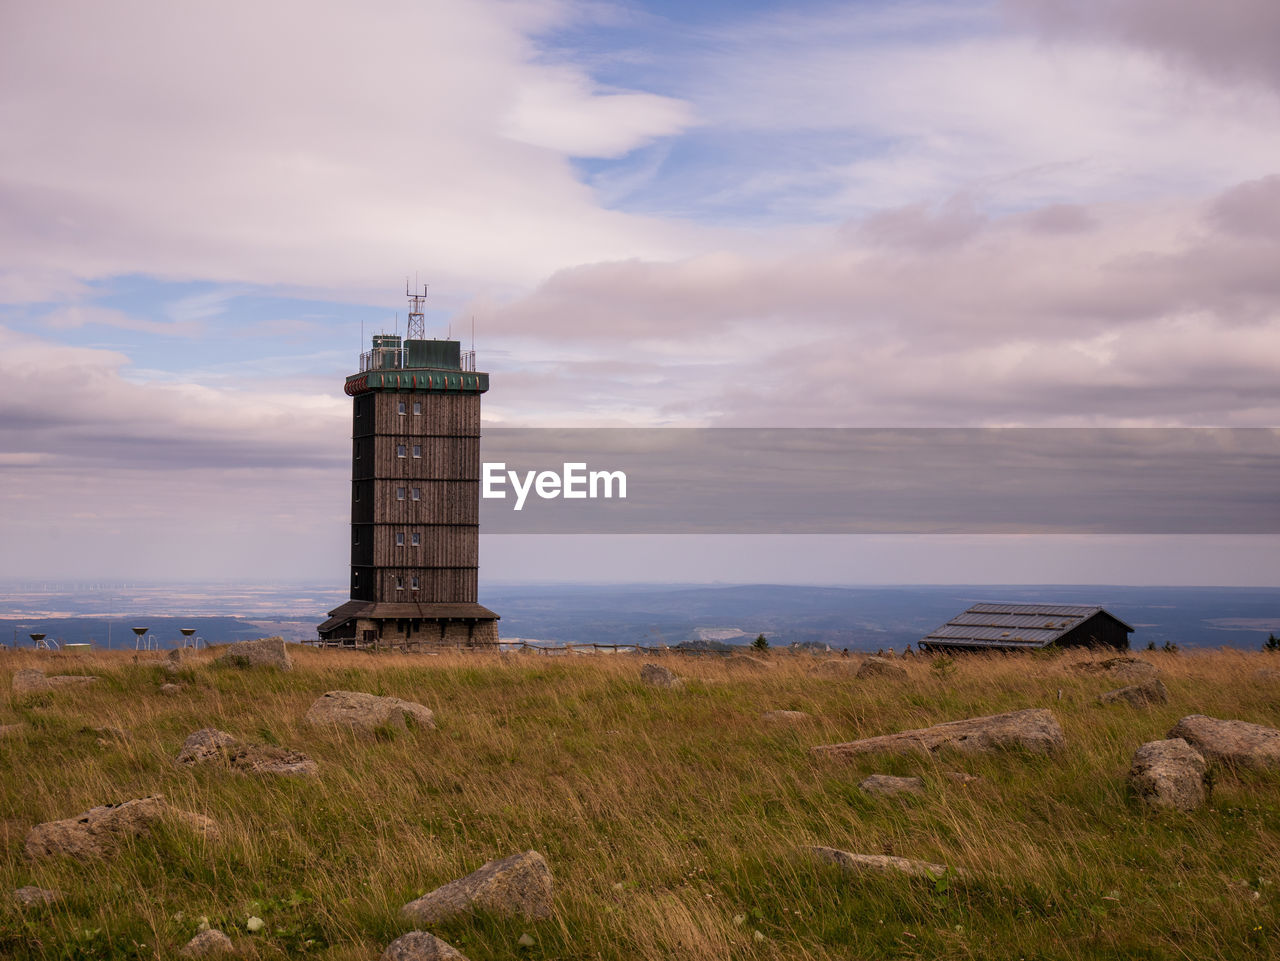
(1013, 625)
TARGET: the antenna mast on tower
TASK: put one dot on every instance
(417, 329)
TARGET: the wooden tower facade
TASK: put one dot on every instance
(415, 497)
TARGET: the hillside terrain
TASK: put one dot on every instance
(677, 821)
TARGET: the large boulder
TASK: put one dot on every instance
(100, 831)
(658, 676)
(366, 712)
(212, 746)
(1232, 743)
(516, 885)
(1148, 692)
(1125, 668)
(268, 652)
(34, 681)
(1169, 774)
(880, 863)
(889, 785)
(881, 667)
(421, 946)
(1034, 729)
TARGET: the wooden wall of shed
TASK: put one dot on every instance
(1097, 631)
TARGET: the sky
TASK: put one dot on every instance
(1033, 213)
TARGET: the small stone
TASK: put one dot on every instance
(880, 864)
(99, 831)
(881, 667)
(887, 785)
(658, 676)
(34, 681)
(1149, 692)
(788, 716)
(1232, 743)
(268, 652)
(170, 688)
(367, 712)
(32, 895)
(1170, 774)
(208, 943)
(212, 746)
(961, 777)
(517, 885)
(1034, 729)
(526, 940)
(7, 730)
(1123, 667)
(255, 924)
(421, 946)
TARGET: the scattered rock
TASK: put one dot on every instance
(880, 864)
(99, 831)
(1151, 691)
(881, 667)
(7, 729)
(1233, 743)
(1267, 674)
(34, 681)
(1034, 729)
(1170, 774)
(366, 712)
(210, 745)
(748, 663)
(1124, 667)
(516, 885)
(31, 896)
(207, 944)
(659, 676)
(786, 715)
(170, 688)
(887, 785)
(264, 652)
(961, 777)
(834, 666)
(421, 946)
(106, 736)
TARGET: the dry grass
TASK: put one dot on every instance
(671, 819)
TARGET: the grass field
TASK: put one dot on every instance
(672, 820)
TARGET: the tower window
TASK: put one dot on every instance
(399, 584)
(399, 493)
(400, 539)
(400, 408)
(417, 407)
(415, 540)
(417, 450)
(400, 450)
(355, 536)
(416, 493)
(413, 582)
(355, 578)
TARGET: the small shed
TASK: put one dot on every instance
(1016, 627)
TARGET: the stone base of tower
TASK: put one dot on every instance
(410, 627)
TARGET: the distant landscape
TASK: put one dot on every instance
(859, 618)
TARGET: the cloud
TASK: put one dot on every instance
(1230, 39)
(1140, 313)
(310, 144)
